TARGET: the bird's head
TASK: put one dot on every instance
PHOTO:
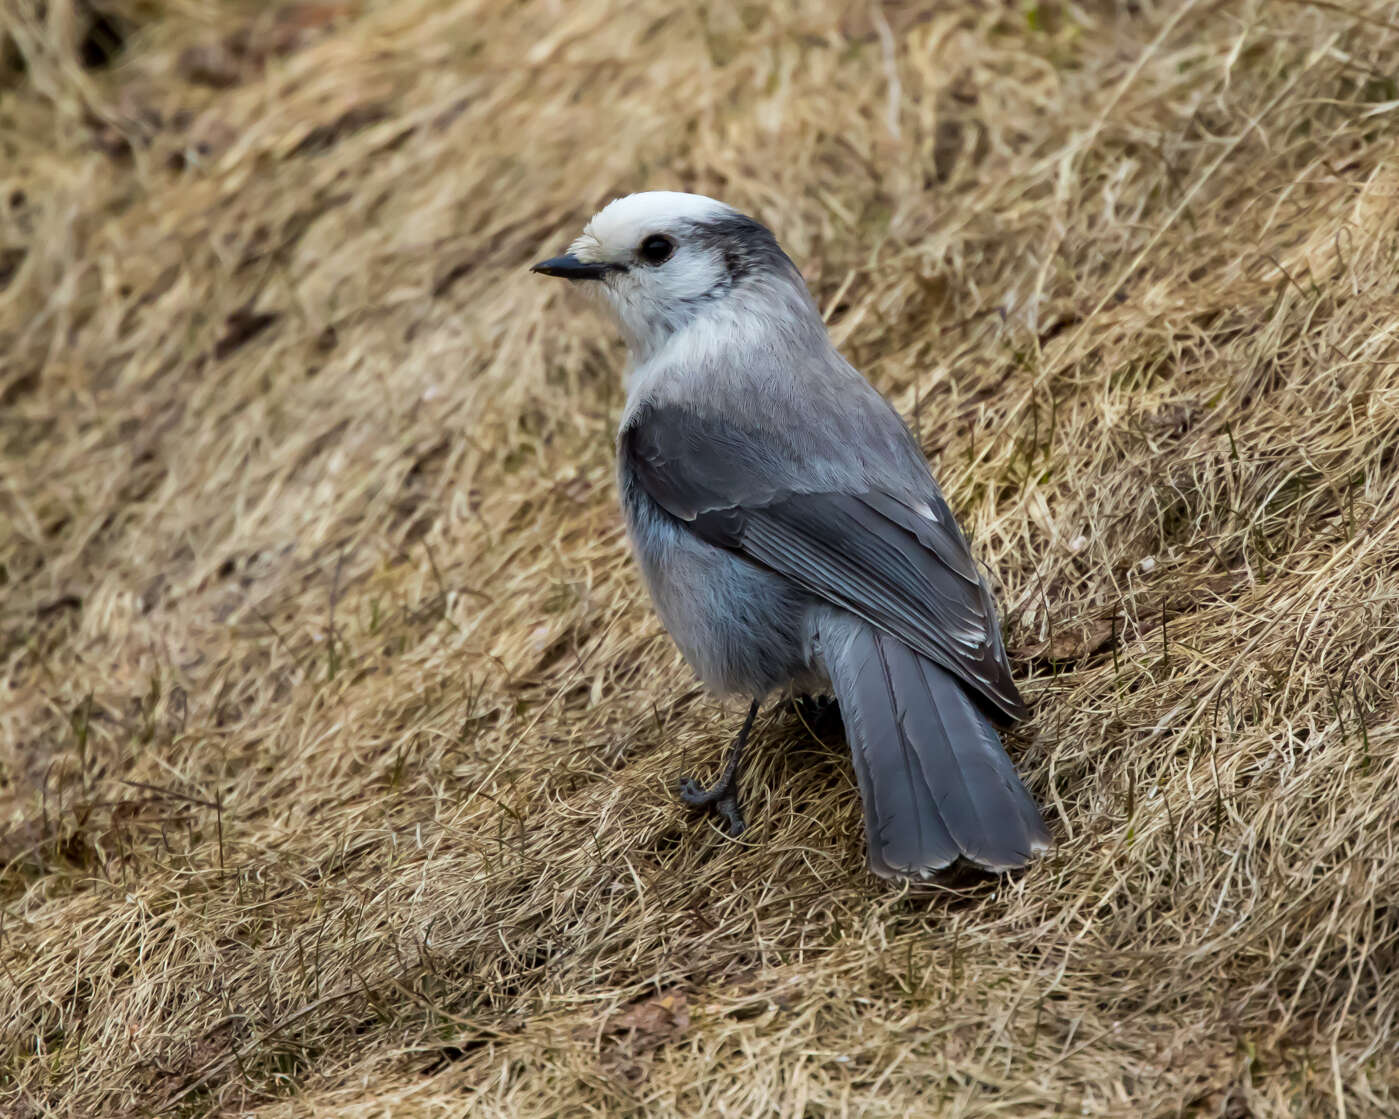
(663, 259)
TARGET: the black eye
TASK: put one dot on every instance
(656, 249)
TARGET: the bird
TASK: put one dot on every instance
(793, 538)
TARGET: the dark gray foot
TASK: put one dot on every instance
(722, 797)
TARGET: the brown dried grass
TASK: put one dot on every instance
(337, 736)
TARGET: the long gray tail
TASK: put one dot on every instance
(936, 782)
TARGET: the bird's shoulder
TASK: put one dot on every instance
(691, 459)
(773, 437)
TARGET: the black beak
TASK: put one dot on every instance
(571, 268)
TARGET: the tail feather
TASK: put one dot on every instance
(937, 785)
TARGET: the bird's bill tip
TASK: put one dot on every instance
(569, 267)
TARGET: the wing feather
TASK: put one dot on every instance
(895, 559)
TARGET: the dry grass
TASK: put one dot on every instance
(337, 737)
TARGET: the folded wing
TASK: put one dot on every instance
(897, 560)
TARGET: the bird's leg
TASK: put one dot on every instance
(722, 796)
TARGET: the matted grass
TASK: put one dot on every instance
(337, 738)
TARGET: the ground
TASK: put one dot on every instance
(337, 738)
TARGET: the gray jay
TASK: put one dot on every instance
(792, 535)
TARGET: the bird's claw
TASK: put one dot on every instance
(721, 797)
(694, 794)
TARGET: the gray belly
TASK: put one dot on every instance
(741, 628)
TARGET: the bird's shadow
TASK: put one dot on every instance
(818, 714)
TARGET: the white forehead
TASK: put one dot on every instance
(625, 221)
